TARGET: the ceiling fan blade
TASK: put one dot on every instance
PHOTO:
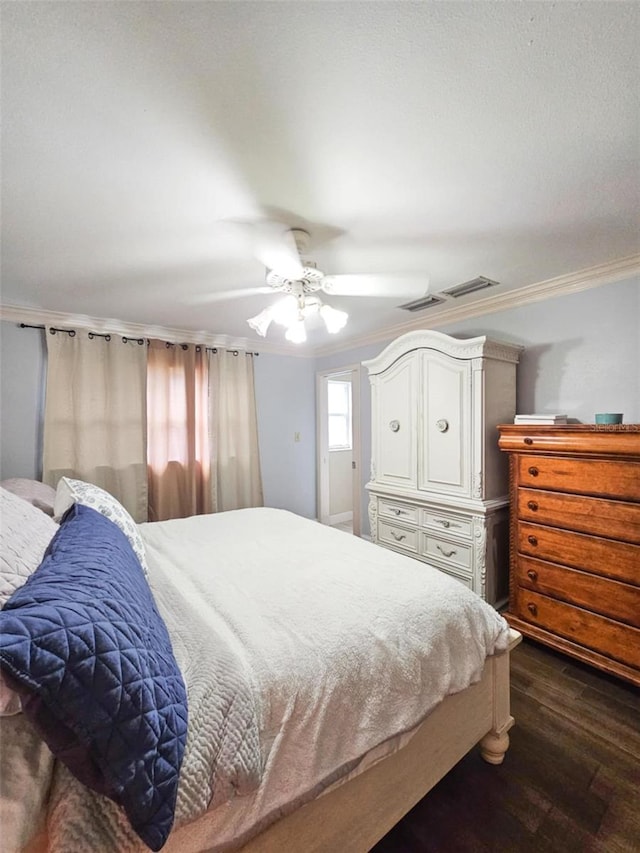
(224, 295)
(374, 285)
(274, 246)
(271, 242)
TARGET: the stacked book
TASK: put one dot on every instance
(549, 420)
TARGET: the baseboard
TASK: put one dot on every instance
(341, 517)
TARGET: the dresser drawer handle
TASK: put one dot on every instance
(528, 441)
(446, 553)
(532, 575)
(532, 540)
(531, 607)
(398, 536)
(533, 471)
(396, 511)
(533, 506)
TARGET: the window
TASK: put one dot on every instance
(339, 406)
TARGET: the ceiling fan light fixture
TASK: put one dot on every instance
(261, 322)
(285, 311)
(296, 333)
(334, 319)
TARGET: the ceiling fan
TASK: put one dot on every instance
(291, 272)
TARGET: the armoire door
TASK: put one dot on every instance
(444, 462)
(395, 410)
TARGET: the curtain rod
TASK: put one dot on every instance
(107, 337)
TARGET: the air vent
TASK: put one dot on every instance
(427, 301)
(479, 283)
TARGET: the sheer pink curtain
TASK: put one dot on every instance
(178, 454)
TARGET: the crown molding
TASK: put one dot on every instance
(609, 273)
(43, 317)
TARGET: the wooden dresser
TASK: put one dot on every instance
(574, 579)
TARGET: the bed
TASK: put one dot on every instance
(330, 684)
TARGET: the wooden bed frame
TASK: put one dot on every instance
(352, 817)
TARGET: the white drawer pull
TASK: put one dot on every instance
(446, 553)
(398, 536)
(442, 425)
(397, 511)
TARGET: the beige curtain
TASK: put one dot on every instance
(177, 420)
(95, 423)
(233, 430)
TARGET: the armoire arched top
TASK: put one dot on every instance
(463, 348)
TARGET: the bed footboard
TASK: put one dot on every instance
(355, 815)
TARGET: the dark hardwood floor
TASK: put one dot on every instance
(570, 780)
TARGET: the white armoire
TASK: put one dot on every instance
(439, 483)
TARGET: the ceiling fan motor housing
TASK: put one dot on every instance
(311, 281)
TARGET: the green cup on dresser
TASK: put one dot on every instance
(609, 418)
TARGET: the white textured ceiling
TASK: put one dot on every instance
(444, 139)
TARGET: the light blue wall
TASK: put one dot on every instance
(285, 401)
(21, 401)
(582, 355)
(581, 351)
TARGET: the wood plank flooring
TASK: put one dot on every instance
(570, 781)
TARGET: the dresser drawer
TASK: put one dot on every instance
(617, 560)
(399, 537)
(446, 553)
(608, 478)
(619, 601)
(618, 641)
(444, 522)
(612, 519)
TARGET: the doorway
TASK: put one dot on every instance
(338, 443)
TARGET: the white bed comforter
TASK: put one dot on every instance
(342, 644)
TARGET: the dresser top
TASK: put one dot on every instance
(588, 439)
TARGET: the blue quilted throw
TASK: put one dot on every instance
(84, 643)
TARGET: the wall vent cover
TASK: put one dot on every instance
(427, 301)
(479, 283)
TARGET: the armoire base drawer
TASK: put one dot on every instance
(453, 554)
(603, 635)
(402, 538)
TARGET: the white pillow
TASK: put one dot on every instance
(77, 491)
(25, 532)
